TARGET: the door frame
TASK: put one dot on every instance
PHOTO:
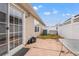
(14, 50)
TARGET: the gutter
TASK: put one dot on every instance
(28, 7)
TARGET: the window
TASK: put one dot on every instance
(11, 19)
(36, 29)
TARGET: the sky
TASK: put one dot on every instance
(55, 13)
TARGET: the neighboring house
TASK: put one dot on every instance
(70, 28)
(51, 29)
(18, 23)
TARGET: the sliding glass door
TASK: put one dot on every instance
(3, 28)
(15, 27)
(10, 28)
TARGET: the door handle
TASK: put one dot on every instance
(7, 28)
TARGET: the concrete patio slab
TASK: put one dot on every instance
(41, 52)
(47, 44)
(66, 52)
(47, 47)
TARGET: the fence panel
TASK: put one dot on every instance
(70, 31)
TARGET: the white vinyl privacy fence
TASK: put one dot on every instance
(70, 29)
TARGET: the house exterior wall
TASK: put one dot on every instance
(25, 25)
(29, 28)
(41, 28)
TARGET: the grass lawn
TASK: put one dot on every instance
(50, 36)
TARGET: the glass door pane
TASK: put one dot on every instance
(20, 38)
(12, 36)
(3, 28)
(16, 39)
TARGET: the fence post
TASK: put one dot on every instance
(72, 20)
(56, 29)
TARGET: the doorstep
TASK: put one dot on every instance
(21, 52)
